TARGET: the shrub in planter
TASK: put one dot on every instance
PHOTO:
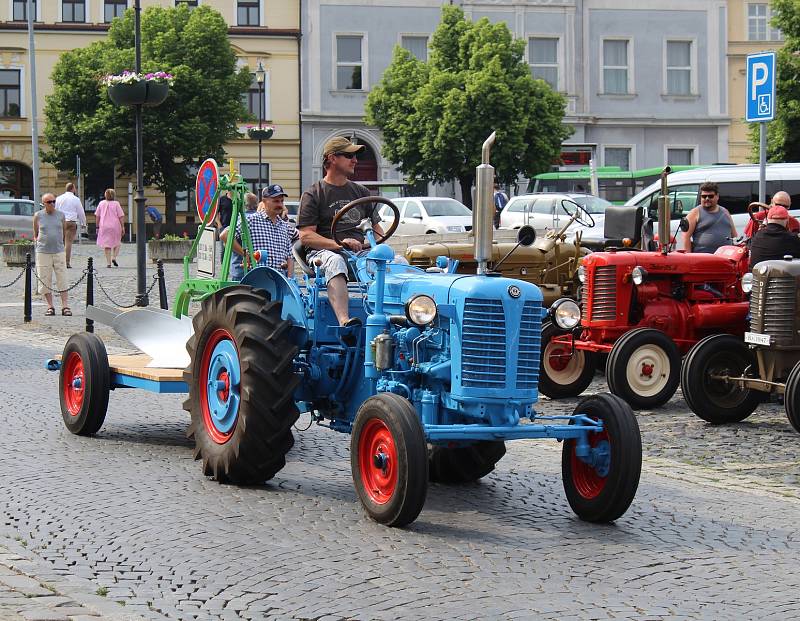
(169, 248)
(6, 235)
(14, 252)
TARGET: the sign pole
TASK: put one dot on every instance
(760, 103)
(762, 162)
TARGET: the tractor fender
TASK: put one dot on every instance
(281, 289)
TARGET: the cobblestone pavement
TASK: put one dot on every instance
(711, 534)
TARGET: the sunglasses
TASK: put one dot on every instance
(349, 156)
(49, 202)
(707, 197)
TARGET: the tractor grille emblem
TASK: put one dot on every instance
(514, 291)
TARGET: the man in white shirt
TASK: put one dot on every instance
(70, 206)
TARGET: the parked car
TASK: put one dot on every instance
(292, 207)
(17, 214)
(428, 214)
(545, 211)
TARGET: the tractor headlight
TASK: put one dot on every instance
(421, 310)
(566, 314)
(638, 274)
(747, 282)
(582, 274)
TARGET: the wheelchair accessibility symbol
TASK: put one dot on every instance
(765, 104)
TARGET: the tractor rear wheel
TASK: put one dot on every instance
(241, 383)
(715, 400)
(84, 383)
(565, 371)
(388, 459)
(791, 398)
(602, 488)
(464, 464)
(643, 368)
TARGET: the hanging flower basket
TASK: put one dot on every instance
(260, 133)
(130, 89)
(14, 253)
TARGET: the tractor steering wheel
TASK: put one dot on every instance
(581, 215)
(756, 222)
(360, 201)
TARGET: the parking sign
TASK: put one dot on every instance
(760, 87)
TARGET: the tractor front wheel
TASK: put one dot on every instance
(711, 398)
(600, 486)
(565, 371)
(241, 383)
(84, 383)
(791, 398)
(643, 368)
(464, 464)
(388, 459)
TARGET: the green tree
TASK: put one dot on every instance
(435, 115)
(195, 121)
(783, 134)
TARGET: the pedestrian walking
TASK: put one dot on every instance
(49, 232)
(70, 205)
(110, 226)
(710, 224)
(155, 218)
(500, 199)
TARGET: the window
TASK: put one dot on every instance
(247, 13)
(253, 96)
(758, 28)
(683, 156)
(682, 199)
(114, 8)
(9, 93)
(617, 156)
(349, 63)
(73, 11)
(192, 4)
(413, 211)
(417, 45)
(19, 10)
(544, 206)
(679, 68)
(543, 59)
(249, 173)
(615, 66)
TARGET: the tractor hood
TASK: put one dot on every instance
(721, 263)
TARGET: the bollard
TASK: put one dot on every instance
(162, 285)
(28, 293)
(89, 292)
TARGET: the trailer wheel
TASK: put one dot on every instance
(388, 459)
(241, 384)
(715, 400)
(84, 383)
(465, 463)
(601, 491)
(563, 373)
(791, 398)
(644, 368)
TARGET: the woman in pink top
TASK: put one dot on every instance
(110, 226)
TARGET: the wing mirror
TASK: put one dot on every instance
(526, 235)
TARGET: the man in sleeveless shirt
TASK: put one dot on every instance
(49, 231)
(319, 205)
(710, 224)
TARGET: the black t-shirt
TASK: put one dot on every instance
(773, 242)
(322, 201)
(225, 210)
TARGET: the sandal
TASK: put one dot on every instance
(66, 312)
(50, 312)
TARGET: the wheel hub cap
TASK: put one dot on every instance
(220, 398)
(74, 388)
(377, 455)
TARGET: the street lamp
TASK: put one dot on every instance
(261, 75)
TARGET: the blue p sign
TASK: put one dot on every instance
(761, 87)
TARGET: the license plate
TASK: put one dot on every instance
(756, 339)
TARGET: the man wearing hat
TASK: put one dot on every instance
(774, 241)
(320, 204)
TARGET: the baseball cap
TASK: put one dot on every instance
(778, 212)
(273, 190)
(340, 144)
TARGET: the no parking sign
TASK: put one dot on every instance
(205, 187)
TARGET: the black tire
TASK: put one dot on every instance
(84, 383)
(717, 401)
(464, 464)
(393, 490)
(791, 398)
(604, 495)
(240, 340)
(644, 368)
(563, 375)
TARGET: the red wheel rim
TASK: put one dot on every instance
(558, 359)
(219, 433)
(587, 481)
(74, 383)
(377, 459)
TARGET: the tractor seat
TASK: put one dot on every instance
(300, 254)
(622, 223)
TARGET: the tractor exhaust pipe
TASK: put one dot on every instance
(483, 209)
(664, 212)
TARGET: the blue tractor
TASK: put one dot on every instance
(442, 372)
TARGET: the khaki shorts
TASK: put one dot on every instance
(46, 264)
(333, 263)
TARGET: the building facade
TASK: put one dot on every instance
(259, 31)
(645, 81)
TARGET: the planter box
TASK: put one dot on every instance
(14, 254)
(169, 251)
(260, 134)
(147, 93)
(7, 235)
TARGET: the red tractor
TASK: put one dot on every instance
(644, 309)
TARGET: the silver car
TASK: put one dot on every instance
(421, 215)
(545, 211)
(17, 214)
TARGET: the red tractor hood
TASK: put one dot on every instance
(723, 262)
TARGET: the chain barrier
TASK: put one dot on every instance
(68, 289)
(13, 282)
(112, 300)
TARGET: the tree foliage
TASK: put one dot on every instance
(436, 115)
(195, 121)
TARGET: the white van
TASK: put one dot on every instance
(738, 187)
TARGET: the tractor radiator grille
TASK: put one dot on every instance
(772, 304)
(601, 295)
(421, 262)
(530, 332)
(483, 344)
